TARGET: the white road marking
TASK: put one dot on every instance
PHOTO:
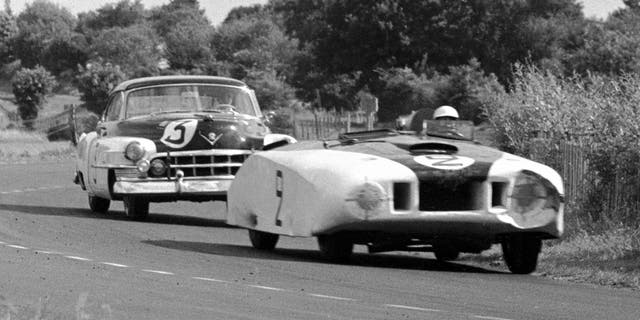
(77, 258)
(411, 308)
(115, 264)
(490, 318)
(330, 297)
(48, 252)
(2, 242)
(210, 279)
(17, 247)
(28, 190)
(15, 191)
(158, 271)
(265, 287)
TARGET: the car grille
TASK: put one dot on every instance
(451, 195)
(221, 164)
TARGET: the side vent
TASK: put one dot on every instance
(402, 196)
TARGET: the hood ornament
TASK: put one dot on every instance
(212, 138)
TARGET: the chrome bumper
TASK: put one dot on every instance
(177, 187)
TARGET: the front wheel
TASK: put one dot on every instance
(136, 208)
(99, 205)
(335, 247)
(263, 240)
(520, 253)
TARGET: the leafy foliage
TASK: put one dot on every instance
(121, 14)
(40, 23)
(95, 82)
(134, 48)
(8, 29)
(187, 45)
(30, 87)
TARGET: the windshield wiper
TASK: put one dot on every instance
(168, 111)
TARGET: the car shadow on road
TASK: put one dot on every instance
(115, 215)
(391, 261)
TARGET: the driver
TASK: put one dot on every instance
(445, 113)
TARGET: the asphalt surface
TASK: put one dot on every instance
(60, 261)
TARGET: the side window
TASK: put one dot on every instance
(113, 108)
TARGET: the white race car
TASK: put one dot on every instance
(437, 191)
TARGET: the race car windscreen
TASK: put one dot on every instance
(189, 98)
(452, 129)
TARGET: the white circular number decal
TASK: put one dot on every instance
(444, 161)
(178, 133)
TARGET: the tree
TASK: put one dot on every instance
(255, 42)
(121, 14)
(8, 30)
(96, 81)
(187, 45)
(40, 23)
(166, 17)
(30, 87)
(136, 49)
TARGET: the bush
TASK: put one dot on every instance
(30, 87)
(597, 113)
(96, 81)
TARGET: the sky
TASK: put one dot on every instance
(216, 10)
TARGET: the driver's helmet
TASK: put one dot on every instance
(445, 113)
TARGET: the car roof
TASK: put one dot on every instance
(160, 80)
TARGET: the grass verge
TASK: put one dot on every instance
(609, 258)
(17, 145)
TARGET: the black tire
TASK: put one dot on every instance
(99, 205)
(446, 252)
(520, 253)
(335, 247)
(136, 208)
(263, 240)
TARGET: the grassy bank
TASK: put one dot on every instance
(17, 145)
(609, 258)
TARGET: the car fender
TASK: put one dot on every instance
(310, 192)
(105, 153)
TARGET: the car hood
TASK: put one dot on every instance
(432, 159)
(195, 131)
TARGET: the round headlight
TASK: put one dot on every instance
(158, 167)
(529, 194)
(370, 196)
(143, 165)
(134, 151)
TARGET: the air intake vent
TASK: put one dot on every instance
(450, 195)
(433, 148)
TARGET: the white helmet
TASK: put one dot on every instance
(445, 111)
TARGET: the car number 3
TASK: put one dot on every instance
(444, 161)
(178, 134)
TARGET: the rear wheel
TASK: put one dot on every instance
(99, 205)
(263, 240)
(136, 208)
(335, 247)
(520, 253)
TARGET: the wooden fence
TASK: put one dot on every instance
(326, 125)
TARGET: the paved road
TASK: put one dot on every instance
(60, 261)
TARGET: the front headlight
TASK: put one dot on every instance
(533, 200)
(370, 196)
(134, 151)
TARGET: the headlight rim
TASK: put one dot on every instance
(132, 154)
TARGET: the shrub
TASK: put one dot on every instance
(95, 81)
(597, 113)
(30, 87)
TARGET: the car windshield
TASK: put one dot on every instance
(452, 129)
(189, 98)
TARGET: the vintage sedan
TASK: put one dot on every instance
(170, 138)
(435, 190)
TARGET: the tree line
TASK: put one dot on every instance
(409, 53)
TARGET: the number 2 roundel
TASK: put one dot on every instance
(178, 134)
(444, 161)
